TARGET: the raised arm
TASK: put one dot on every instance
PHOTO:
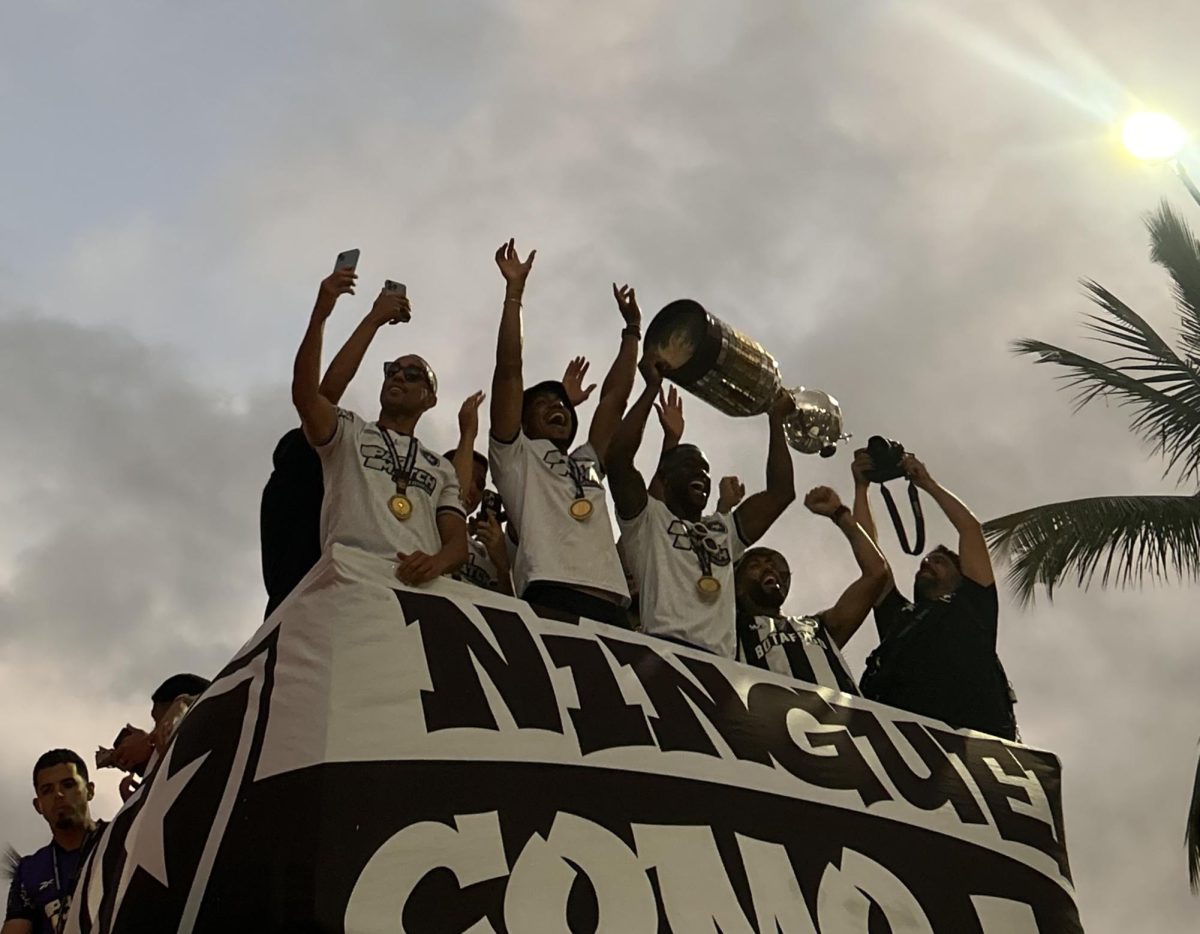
(389, 308)
(618, 384)
(318, 416)
(573, 377)
(972, 547)
(844, 617)
(859, 469)
(507, 380)
(624, 479)
(670, 417)
(757, 513)
(468, 431)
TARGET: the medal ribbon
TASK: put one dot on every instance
(698, 549)
(576, 472)
(400, 475)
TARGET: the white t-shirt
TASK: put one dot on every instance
(479, 570)
(659, 548)
(535, 481)
(798, 646)
(358, 484)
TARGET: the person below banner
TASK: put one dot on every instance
(385, 493)
(682, 559)
(566, 557)
(42, 883)
(806, 647)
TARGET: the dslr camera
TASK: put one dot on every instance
(886, 456)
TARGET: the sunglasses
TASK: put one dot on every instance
(410, 373)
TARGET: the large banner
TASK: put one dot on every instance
(379, 759)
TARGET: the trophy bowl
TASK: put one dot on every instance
(816, 426)
(719, 364)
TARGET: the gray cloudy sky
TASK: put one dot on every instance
(883, 192)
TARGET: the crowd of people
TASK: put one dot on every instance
(676, 571)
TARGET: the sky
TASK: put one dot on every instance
(885, 193)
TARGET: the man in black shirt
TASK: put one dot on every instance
(806, 647)
(937, 655)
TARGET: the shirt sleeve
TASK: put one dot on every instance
(887, 612)
(984, 604)
(504, 457)
(450, 499)
(20, 906)
(633, 537)
(737, 543)
(347, 422)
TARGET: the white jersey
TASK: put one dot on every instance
(358, 470)
(479, 570)
(798, 646)
(538, 483)
(662, 552)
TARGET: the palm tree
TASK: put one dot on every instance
(1126, 538)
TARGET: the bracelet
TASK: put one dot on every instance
(839, 512)
(516, 301)
(632, 330)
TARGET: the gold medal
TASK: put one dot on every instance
(401, 506)
(580, 509)
(708, 585)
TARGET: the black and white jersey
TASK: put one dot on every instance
(799, 646)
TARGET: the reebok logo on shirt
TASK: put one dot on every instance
(557, 462)
(681, 539)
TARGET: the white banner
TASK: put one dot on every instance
(379, 759)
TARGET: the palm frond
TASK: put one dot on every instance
(1125, 538)
(1162, 389)
(1175, 249)
(1192, 838)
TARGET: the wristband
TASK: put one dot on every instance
(632, 330)
(839, 512)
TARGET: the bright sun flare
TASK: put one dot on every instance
(1153, 136)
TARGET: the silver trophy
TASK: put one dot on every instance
(737, 376)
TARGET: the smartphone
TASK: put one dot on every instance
(390, 286)
(346, 260)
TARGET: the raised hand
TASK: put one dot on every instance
(468, 414)
(489, 534)
(916, 471)
(822, 501)
(652, 366)
(783, 406)
(514, 271)
(573, 381)
(670, 413)
(860, 467)
(390, 308)
(731, 492)
(337, 283)
(627, 305)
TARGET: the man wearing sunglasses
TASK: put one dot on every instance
(385, 493)
(566, 559)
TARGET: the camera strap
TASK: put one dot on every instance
(918, 518)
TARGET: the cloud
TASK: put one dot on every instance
(884, 194)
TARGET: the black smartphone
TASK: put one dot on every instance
(346, 260)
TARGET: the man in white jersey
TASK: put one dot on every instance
(566, 558)
(682, 559)
(806, 647)
(385, 493)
